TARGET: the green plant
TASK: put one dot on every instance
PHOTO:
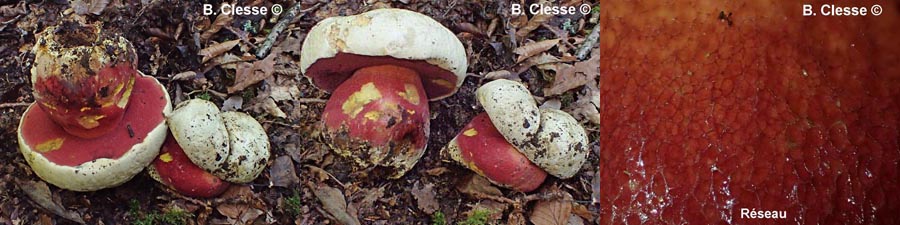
(292, 204)
(438, 219)
(174, 217)
(204, 96)
(478, 217)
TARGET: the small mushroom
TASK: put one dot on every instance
(230, 145)
(382, 67)
(481, 148)
(96, 121)
(173, 168)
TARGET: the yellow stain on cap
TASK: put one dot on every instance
(50, 145)
(90, 121)
(410, 94)
(165, 157)
(373, 115)
(354, 104)
(470, 132)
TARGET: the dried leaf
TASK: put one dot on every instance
(284, 92)
(216, 50)
(334, 203)
(425, 198)
(516, 218)
(477, 185)
(595, 188)
(551, 104)
(569, 77)
(272, 108)
(575, 220)
(95, 7)
(227, 59)
(437, 171)
(38, 192)
(292, 44)
(282, 173)
(533, 23)
(184, 75)
(551, 212)
(534, 48)
(249, 75)
(233, 103)
(221, 20)
(582, 211)
(586, 107)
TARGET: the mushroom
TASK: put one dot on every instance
(548, 138)
(481, 148)
(97, 121)
(173, 168)
(382, 67)
(231, 145)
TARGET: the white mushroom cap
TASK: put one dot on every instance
(562, 144)
(200, 131)
(511, 109)
(231, 145)
(249, 148)
(397, 33)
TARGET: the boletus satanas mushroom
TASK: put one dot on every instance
(382, 67)
(96, 121)
(231, 146)
(550, 139)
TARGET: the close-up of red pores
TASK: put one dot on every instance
(749, 113)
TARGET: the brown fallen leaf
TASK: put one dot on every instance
(569, 77)
(282, 173)
(248, 74)
(551, 212)
(586, 107)
(533, 23)
(476, 185)
(216, 50)
(38, 192)
(516, 218)
(221, 20)
(365, 205)
(425, 198)
(271, 107)
(501, 74)
(437, 171)
(82, 7)
(582, 211)
(334, 203)
(534, 48)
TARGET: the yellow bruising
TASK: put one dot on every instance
(127, 94)
(444, 83)
(470, 132)
(90, 121)
(50, 145)
(373, 115)
(165, 157)
(354, 104)
(410, 94)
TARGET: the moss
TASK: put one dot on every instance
(173, 217)
(478, 217)
(438, 219)
(292, 204)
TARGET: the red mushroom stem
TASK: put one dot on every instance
(87, 106)
(176, 170)
(383, 107)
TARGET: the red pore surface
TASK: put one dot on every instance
(329, 73)
(176, 170)
(144, 113)
(86, 105)
(382, 106)
(712, 107)
(485, 151)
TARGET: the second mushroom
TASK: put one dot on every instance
(382, 67)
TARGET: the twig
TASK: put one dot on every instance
(310, 100)
(14, 104)
(294, 11)
(588, 43)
